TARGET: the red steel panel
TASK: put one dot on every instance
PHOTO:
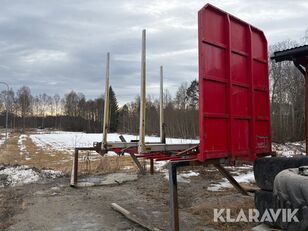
(234, 106)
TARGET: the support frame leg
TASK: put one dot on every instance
(151, 166)
(231, 179)
(74, 175)
(137, 162)
(173, 198)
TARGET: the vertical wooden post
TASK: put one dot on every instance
(106, 108)
(161, 109)
(141, 145)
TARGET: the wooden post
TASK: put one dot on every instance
(161, 109)
(141, 145)
(106, 108)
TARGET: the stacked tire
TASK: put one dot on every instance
(267, 172)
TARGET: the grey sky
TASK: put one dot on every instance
(58, 46)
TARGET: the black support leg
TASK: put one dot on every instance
(173, 198)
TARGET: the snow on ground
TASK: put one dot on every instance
(161, 166)
(242, 178)
(64, 141)
(183, 177)
(20, 175)
(67, 141)
(17, 176)
(22, 147)
(2, 138)
(290, 148)
(48, 173)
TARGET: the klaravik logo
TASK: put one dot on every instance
(253, 215)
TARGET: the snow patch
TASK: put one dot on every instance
(160, 166)
(52, 173)
(3, 137)
(22, 147)
(21, 175)
(67, 141)
(241, 178)
(183, 177)
(290, 149)
(17, 176)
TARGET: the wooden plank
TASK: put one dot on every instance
(132, 217)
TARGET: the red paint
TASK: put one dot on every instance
(234, 106)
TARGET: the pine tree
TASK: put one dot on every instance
(193, 94)
(123, 125)
(113, 111)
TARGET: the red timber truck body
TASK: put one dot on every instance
(234, 105)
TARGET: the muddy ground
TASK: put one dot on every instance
(54, 205)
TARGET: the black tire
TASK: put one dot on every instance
(266, 169)
(264, 200)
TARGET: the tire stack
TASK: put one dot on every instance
(265, 171)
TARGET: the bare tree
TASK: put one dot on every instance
(24, 101)
(181, 96)
(56, 99)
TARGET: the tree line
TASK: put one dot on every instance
(74, 112)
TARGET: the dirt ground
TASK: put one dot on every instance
(54, 205)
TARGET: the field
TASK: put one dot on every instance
(35, 192)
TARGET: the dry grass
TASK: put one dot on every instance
(47, 158)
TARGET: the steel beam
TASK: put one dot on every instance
(151, 147)
(173, 198)
(231, 179)
(151, 166)
(173, 194)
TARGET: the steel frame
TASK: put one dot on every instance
(159, 152)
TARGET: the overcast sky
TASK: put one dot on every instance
(59, 46)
